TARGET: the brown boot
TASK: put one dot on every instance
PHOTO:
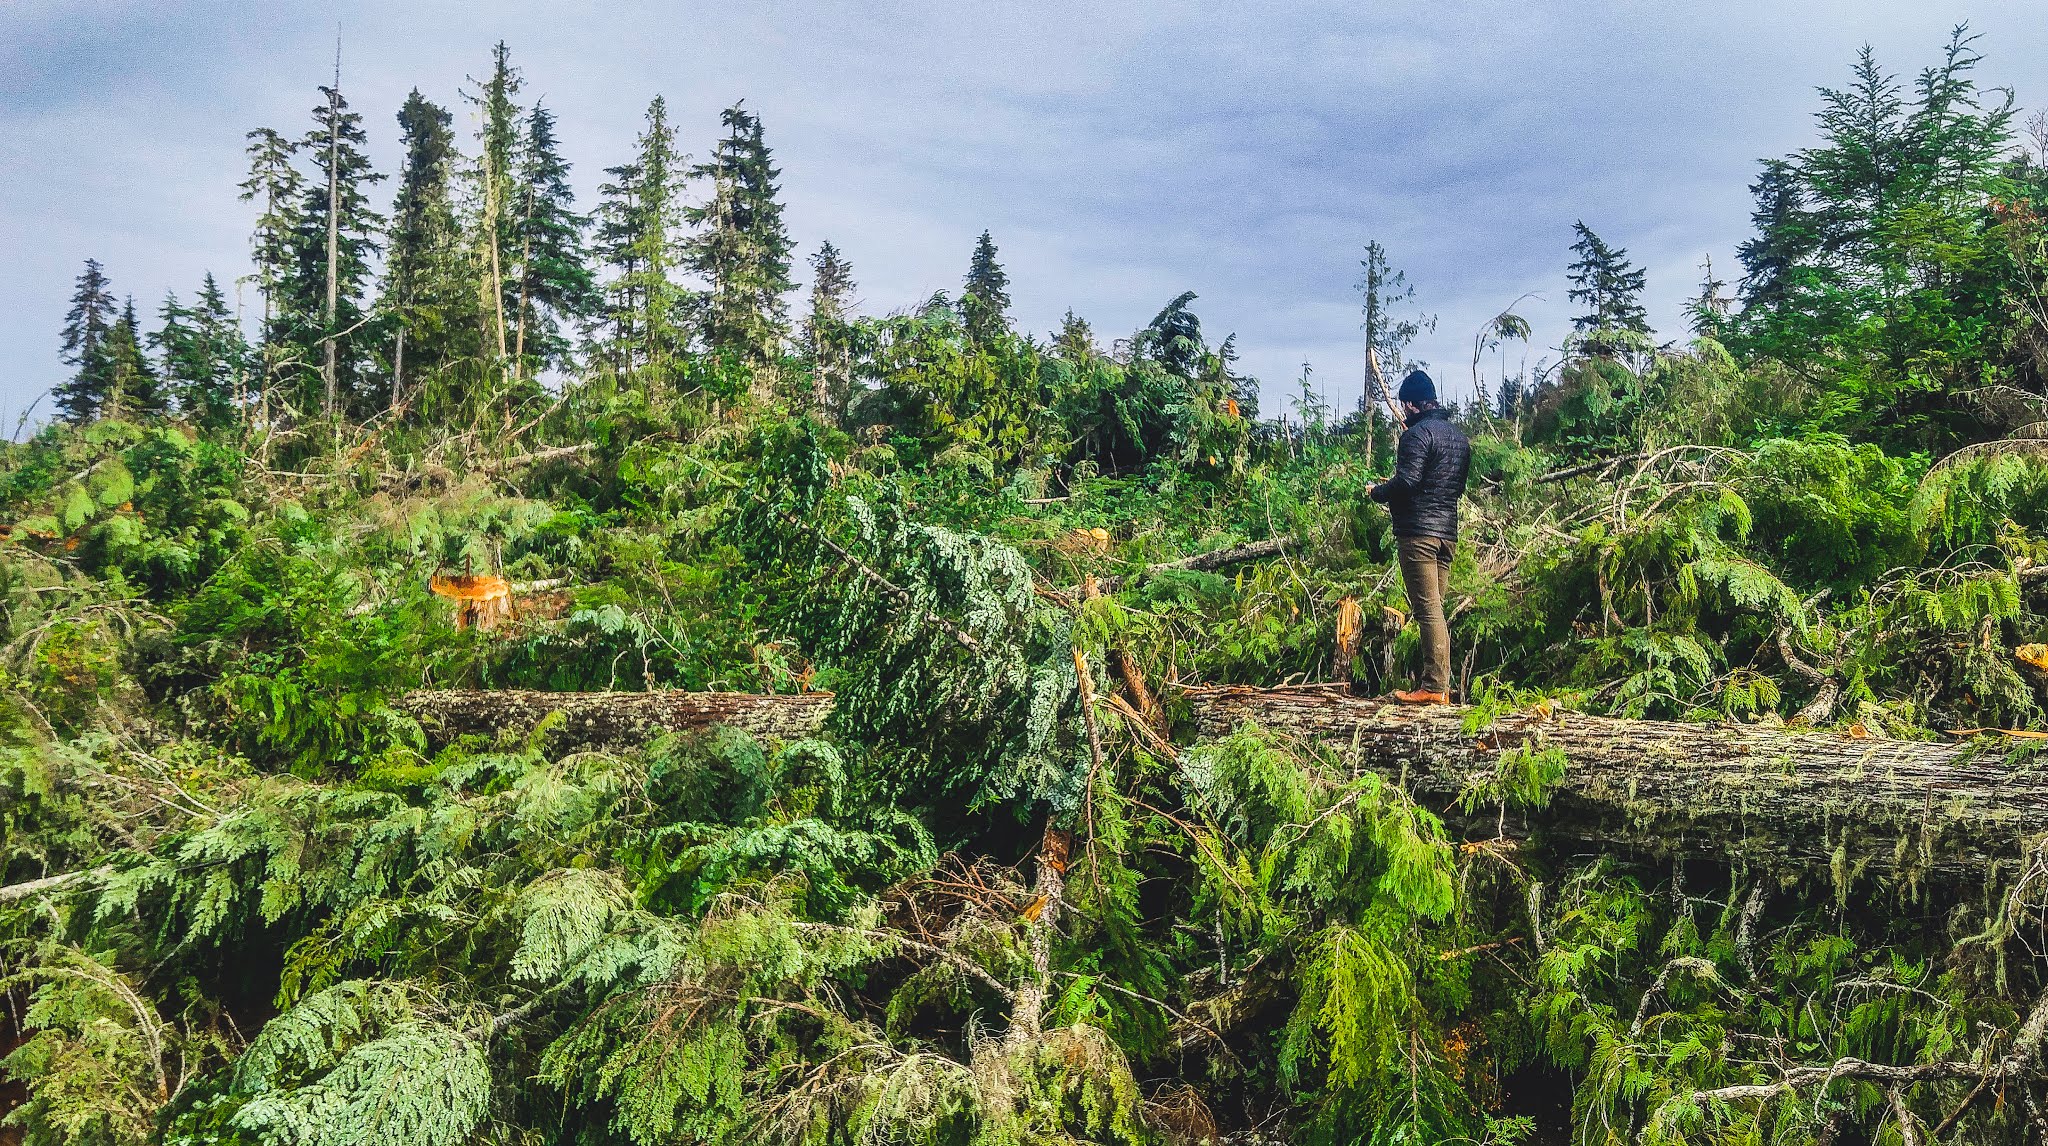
(1418, 696)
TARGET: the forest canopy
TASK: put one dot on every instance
(975, 871)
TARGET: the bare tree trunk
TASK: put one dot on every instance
(525, 276)
(491, 211)
(329, 374)
(398, 369)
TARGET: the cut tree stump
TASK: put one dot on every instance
(613, 718)
(1742, 792)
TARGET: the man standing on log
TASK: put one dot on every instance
(1429, 478)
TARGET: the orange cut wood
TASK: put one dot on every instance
(481, 599)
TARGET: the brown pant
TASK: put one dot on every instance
(1426, 572)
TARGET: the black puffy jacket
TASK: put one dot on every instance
(1429, 477)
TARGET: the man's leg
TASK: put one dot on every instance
(1440, 652)
(1421, 575)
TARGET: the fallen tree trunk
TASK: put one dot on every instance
(1749, 792)
(614, 718)
(1654, 788)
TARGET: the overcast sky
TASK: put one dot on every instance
(1120, 153)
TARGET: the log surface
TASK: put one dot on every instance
(1736, 791)
(613, 718)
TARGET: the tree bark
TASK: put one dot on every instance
(613, 718)
(1662, 788)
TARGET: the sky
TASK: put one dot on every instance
(1119, 153)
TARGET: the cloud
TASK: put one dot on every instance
(1119, 152)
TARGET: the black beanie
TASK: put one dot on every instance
(1417, 388)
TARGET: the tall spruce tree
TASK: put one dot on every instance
(495, 190)
(638, 215)
(277, 188)
(204, 356)
(334, 241)
(426, 293)
(554, 288)
(741, 249)
(826, 335)
(1611, 289)
(86, 326)
(985, 303)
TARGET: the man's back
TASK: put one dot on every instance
(1430, 469)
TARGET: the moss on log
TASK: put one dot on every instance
(1745, 793)
(613, 718)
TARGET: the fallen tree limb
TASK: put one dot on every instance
(622, 718)
(1214, 559)
(1602, 465)
(2016, 1063)
(1667, 788)
(49, 884)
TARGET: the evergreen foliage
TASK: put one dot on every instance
(556, 291)
(829, 336)
(1006, 896)
(741, 247)
(985, 302)
(637, 224)
(325, 362)
(1611, 289)
(425, 289)
(205, 359)
(88, 325)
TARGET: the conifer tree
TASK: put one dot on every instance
(133, 387)
(1783, 241)
(86, 327)
(553, 285)
(1174, 338)
(334, 241)
(741, 248)
(1076, 339)
(204, 356)
(495, 191)
(1611, 289)
(985, 303)
(636, 238)
(275, 185)
(825, 336)
(424, 290)
(1708, 311)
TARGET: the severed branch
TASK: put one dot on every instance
(1214, 559)
(960, 963)
(1603, 465)
(50, 883)
(2015, 1065)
